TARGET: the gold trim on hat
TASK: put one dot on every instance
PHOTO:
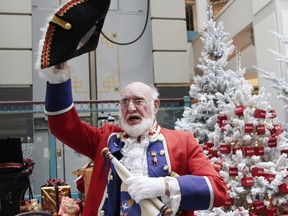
(61, 22)
(69, 5)
(45, 58)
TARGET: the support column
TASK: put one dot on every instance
(201, 10)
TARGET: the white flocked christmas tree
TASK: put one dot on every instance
(215, 84)
(239, 132)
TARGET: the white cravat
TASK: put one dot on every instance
(134, 156)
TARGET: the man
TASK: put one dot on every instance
(152, 154)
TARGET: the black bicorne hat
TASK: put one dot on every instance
(73, 30)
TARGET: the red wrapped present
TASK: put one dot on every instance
(217, 166)
(207, 145)
(222, 117)
(233, 171)
(260, 114)
(225, 148)
(229, 202)
(283, 188)
(272, 114)
(272, 142)
(269, 177)
(248, 128)
(258, 207)
(277, 129)
(259, 150)
(271, 212)
(240, 110)
(260, 129)
(249, 151)
(257, 171)
(212, 153)
(247, 181)
(284, 151)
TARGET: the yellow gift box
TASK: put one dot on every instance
(51, 197)
(87, 179)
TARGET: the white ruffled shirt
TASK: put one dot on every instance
(135, 160)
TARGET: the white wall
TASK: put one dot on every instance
(15, 43)
(169, 41)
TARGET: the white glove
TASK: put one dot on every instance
(142, 187)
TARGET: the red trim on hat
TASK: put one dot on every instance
(11, 165)
(47, 46)
(69, 5)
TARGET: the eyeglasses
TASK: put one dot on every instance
(136, 102)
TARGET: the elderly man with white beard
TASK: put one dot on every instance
(151, 154)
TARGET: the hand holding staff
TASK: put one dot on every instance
(149, 207)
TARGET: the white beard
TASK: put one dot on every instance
(139, 129)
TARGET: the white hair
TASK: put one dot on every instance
(154, 93)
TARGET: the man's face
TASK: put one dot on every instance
(133, 113)
(137, 109)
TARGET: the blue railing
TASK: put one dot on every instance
(25, 107)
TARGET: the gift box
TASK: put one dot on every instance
(259, 150)
(271, 212)
(207, 145)
(222, 117)
(258, 207)
(239, 110)
(212, 153)
(260, 114)
(248, 128)
(269, 177)
(249, 151)
(257, 171)
(260, 129)
(277, 129)
(247, 181)
(272, 142)
(233, 171)
(84, 176)
(217, 166)
(229, 202)
(283, 188)
(225, 148)
(87, 179)
(52, 195)
(272, 114)
(284, 151)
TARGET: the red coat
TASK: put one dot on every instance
(186, 157)
(200, 185)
